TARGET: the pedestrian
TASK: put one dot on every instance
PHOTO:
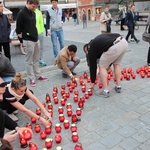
(110, 48)
(130, 21)
(148, 55)
(105, 20)
(7, 71)
(122, 16)
(67, 61)
(4, 33)
(84, 19)
(44, 18)
(54, 19)
(16, 95)
(40, 29)
(74, 16)
(26, 29)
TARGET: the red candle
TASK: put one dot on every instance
(58, 138)
(80, 104)
(100, 85)
(83, 89)
(50, 106)
(38, 111)
(78, 147)
(66, 124)
(73, 80)
(82, 99)
(65, 97)
(68, 84)
(55, 89)
(88, 80)
(61, 118)
(76, 92)
(78, 111)
(29, 126)
(74, 118)
(58, 128)
(69, 106)
(43, 135)
(75, 98)
(48, 98)
(50, 112)
(63, 87)
(62, 102)
(23, 143)
(85, 75)
(70, 89)
(37, 128)
(49, 143)
(32, 146)
(67, 94)
(89, 92)
(54, 94)
(60, 110)
(27, 135)
(48, 129)
(33, 120)
(73, 128)
(86, 95)
(75, 137)
(62, 92)
(55, 100)
(69, 112)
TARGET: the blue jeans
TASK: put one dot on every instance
(54, 35)
(7, 79)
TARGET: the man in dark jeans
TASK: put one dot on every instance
(5, 29)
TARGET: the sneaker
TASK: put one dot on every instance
(132, 40)
(118, 89)
(104, 94)
(64, 75)
(15, 112)
(42, 64)
(137, 41)
(41, 78)
(13, 117)
(32, 83)
(73, 73)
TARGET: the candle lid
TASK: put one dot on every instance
(68, 104)
(48, 140)
(69, 109)
(61, 115)
(62, 99)
(73, 125)
(57, 125)
(44, 148)
(74, 133)
(66, 121)
(79, 144)
(55, 97)
(49, 103)
(58, 148)
(60, 107)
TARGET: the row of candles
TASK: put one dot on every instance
(66, 124)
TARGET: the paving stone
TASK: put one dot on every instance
(145, 145)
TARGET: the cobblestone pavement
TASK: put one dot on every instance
(120, 122)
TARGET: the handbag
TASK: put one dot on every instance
(146, 35)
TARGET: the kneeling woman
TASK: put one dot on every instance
(15, 97)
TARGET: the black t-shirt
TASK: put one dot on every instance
(99, 44)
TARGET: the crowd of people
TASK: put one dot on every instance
(104, 50)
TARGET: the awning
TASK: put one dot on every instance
(6, 11)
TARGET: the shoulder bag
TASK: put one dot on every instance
(146, 34)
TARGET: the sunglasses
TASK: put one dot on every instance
(3, 84)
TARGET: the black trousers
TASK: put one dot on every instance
(122, 24)
(6, 48)
(5, 105)
(45, 29)
(148, 57)
(6, 122)
(131, 32)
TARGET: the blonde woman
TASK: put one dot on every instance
(15, 97)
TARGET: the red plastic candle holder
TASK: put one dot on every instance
(32, 146)
(58, 128)
(70, 89)
(82, 99)
(80, 104)
(54, 94)
(68, 84)
(75, 98)
(37, 128)
(48, 129)
(48, 98)
(78, 146)
(67, 94)
(69, 112)
(86, 95)
(69, 106)
(49, 143)
(50, 106)
(75, 137)
(60, 110)
(50, 112)
(62, 92)
(58, 138)
(66, 124)
(78, 111)
(85, 75)
(64, 97)
(55, 89)
(43, 135)
(88, 79)
(100, 85)
(62, 102)
(33, 120)
(83, 89)
(90, 92)
(56, 100)
(74, 118)
(73, 128)
(76, 92)
(23, 143)
(63, 87)
(61, 118)
(38, 111)
(27, 135)
(29, 126)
